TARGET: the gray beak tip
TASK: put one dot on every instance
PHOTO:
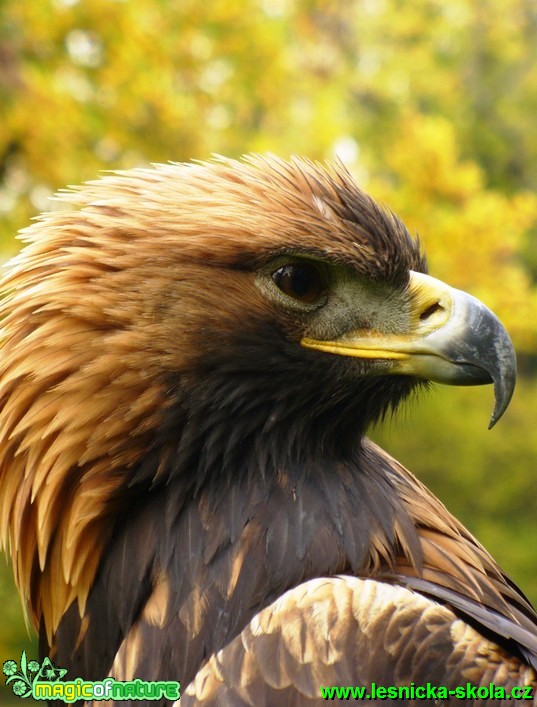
(504, 385)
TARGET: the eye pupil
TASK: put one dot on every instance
(301, 281)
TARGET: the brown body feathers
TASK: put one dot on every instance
(190, 360)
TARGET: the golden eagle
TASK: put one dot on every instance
(190, 362)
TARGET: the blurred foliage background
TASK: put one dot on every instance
(430, 103)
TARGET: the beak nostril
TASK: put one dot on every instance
(432, 309)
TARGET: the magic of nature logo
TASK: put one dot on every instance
(44, 681)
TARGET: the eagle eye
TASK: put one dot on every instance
(301, 281)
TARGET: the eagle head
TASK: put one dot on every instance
(204, 322)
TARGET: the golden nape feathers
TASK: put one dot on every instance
(190, 360)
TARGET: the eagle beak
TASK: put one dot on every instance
(452, 338)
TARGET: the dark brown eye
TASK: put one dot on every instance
(302, 281)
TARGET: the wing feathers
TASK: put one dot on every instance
(348, 631)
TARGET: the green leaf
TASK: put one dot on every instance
(24, 663)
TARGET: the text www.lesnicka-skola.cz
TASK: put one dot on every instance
(428, 691)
